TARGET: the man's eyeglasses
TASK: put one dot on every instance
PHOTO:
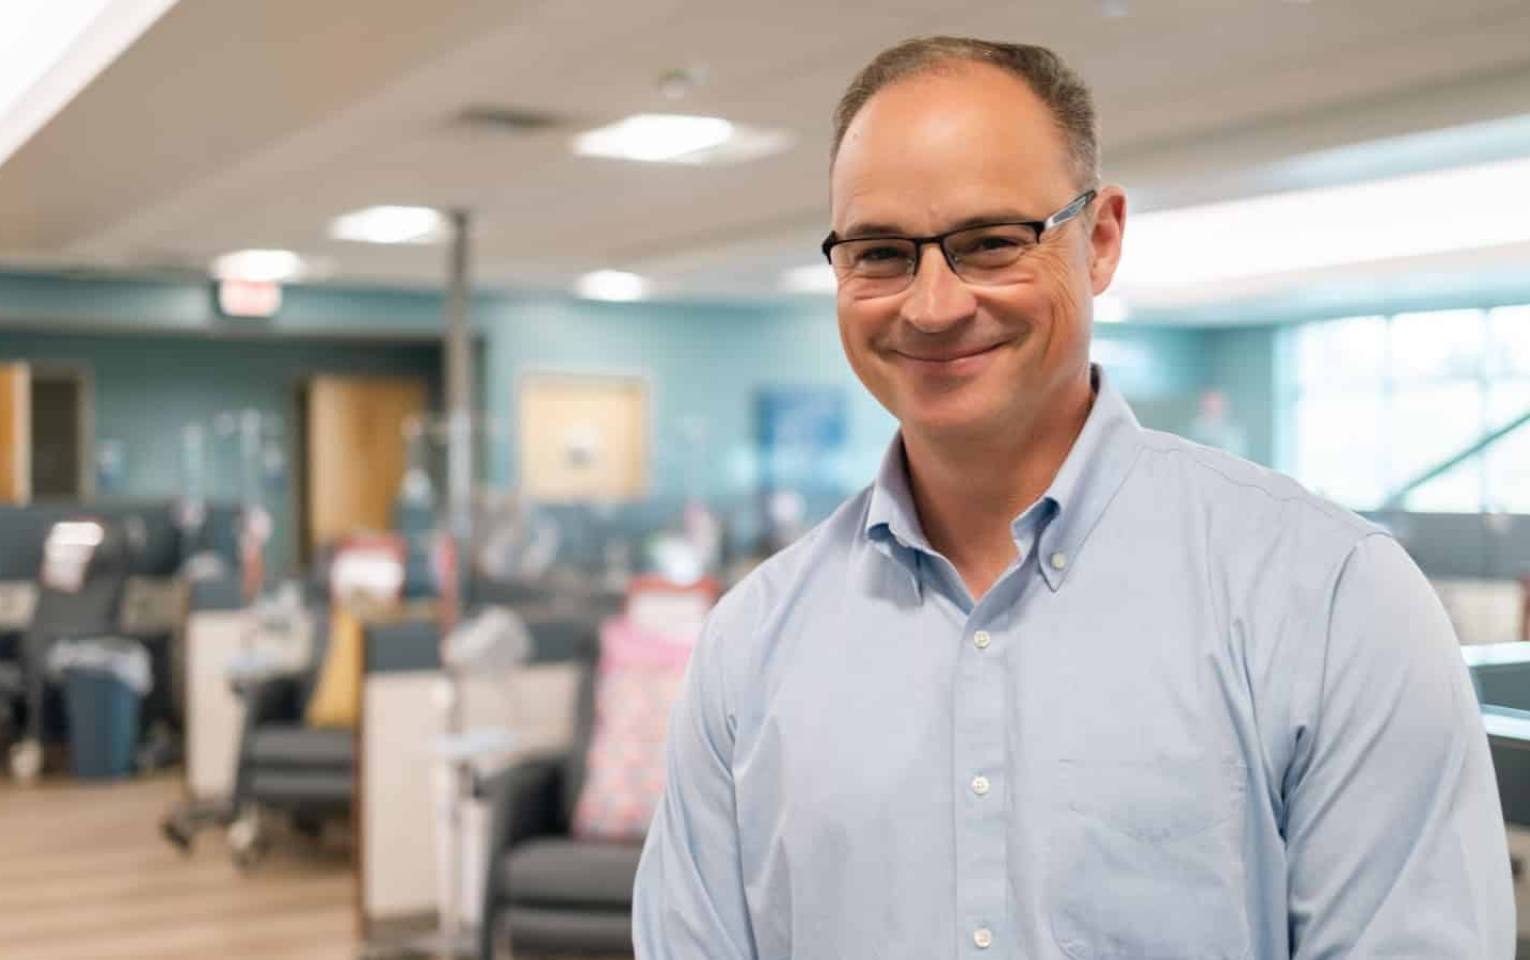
(985, 255)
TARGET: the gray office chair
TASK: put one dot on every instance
(555, 895)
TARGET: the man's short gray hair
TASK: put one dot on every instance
(1052, 80)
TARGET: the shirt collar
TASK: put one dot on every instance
(1089, 477)
(1084, 486)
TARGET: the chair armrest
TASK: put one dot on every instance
(525, 801)
(275, 698)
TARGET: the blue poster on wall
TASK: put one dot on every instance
(799, 430)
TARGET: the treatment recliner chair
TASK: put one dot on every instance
(286, 766)
(555, 895)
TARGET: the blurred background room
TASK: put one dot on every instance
(371, 371)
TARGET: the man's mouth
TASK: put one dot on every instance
(948, 356)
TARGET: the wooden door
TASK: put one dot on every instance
(583, 437)
(356, 451)
(15, 433)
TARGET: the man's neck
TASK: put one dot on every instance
(968, 492)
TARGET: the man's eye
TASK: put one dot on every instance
(881, 254)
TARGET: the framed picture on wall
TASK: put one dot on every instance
(583, 437)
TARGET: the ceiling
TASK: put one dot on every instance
(231, 124)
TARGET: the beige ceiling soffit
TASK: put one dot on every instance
(110, 30)
(1226, 161)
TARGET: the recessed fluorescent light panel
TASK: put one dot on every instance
(676, 138)
(390, 225)
(613, 285)
(1443, 211)
(274, 266)
(814, 278)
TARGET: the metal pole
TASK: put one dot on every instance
(459, 513)
(459, 387)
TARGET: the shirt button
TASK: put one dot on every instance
(981, 786)
(982, 639)
(983, 937)
(1059, 560)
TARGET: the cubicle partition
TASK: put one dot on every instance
(1501, 675)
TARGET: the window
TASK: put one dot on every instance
(1377, 402)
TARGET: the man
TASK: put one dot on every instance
(1056, 686)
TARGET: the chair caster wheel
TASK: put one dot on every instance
(27, 761)
(248, 842)
(179, 835)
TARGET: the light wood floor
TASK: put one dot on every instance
(85, 875)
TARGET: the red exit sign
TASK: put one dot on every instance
(258, 299)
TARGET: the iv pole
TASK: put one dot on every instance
(459, 531)
(449, 941)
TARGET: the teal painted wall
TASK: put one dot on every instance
(706, 364)
(149, 386)
(1242, 362)
(51, 302)
(703, 366)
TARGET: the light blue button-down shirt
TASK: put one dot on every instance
(1205, 716)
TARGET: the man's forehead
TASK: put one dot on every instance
(950, 140)
(958, 99)
(927, 192)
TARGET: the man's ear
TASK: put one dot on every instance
(1106, 228)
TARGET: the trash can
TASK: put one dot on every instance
(103, 723)
(104, 683)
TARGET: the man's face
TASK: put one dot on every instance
(928, 155)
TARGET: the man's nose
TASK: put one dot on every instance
(937, 298)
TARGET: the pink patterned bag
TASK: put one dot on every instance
(639, 677)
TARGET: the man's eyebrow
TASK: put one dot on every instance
(873, 229)
(878, 229)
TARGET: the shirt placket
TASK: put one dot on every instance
(982, 786)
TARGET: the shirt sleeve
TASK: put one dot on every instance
(1395, 840)
(688, 902)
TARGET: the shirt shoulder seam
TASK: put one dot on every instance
(1357, 525)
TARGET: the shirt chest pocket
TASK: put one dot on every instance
(1146, 862)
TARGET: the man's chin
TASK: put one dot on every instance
(955, 419)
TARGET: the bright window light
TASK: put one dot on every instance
(814, 278)
(50, 50)
(654, 137)
(1110, 308)
(274, 266)
(613, 285)
(390, 225)
(1447, 210)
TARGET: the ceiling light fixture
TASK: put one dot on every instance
(654, 137)
(673, 138)
(389, 224)
(272, 266)
(615, 286)
(1417, 215)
